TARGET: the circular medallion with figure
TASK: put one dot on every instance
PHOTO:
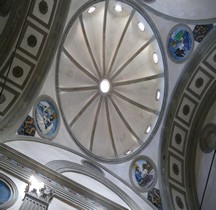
(143, 174)
(180, 43)
(46, 117)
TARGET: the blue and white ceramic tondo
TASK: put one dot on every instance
(46, 117)
(143, 173)
(180, 43)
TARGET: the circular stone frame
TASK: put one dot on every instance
(150, 161)
(183, 26)
(13, 189)
(53, 103)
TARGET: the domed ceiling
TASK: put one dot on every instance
(111, 79)
(111, 85)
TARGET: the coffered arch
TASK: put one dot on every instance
(192, 100)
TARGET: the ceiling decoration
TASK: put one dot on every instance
(27, 46)
(143, 173)
(111, 80)
(11, 26)
(208, 138)
(155, 198)
(194, 96)
(180, 43)
(46, 117)
(200, 31)
(28, 127)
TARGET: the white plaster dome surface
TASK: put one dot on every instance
(110, 79)
(184, 9)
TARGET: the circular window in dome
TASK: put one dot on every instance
(5, 192)
(111, 79)
(180, 43)
(8, 192)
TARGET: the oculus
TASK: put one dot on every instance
(8, 192)
(5, 192)
(118, 8)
